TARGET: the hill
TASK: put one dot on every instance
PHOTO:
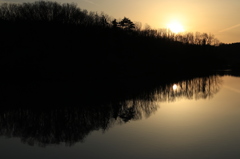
(60, 42)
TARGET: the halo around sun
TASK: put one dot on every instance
(175, 27)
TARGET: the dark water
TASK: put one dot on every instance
(196, 118)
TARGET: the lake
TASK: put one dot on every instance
(194, 118)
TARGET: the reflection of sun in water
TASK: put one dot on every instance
(175, 27)
(174, 87)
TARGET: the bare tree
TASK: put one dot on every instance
(138, 26)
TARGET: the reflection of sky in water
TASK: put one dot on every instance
(203, 128)
(187, 129)
(183, 129)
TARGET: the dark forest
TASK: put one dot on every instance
(52, 45)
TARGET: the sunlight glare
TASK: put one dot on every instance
(174, 87)
(175, 27)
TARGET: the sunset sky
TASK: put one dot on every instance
(219, 17)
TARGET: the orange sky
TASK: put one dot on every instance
(219, 17)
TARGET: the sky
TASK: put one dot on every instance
(218, 17)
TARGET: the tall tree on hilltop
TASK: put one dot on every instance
(127, 24)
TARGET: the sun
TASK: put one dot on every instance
(175, 27)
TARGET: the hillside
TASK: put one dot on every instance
(60, 42)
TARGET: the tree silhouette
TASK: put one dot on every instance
(59, 34)
(127, 24)
(114, 23)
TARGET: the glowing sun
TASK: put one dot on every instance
(175, 27)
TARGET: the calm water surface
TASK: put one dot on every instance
(196, 119)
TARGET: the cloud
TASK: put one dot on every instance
(229, 28)
(91, 2)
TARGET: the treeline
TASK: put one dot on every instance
(48, 40)
(53, 12)
(231, 55)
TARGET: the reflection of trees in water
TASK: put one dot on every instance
(45, 127)
(136, 109)
(197, 88)
(72, 124)
(69, 124)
